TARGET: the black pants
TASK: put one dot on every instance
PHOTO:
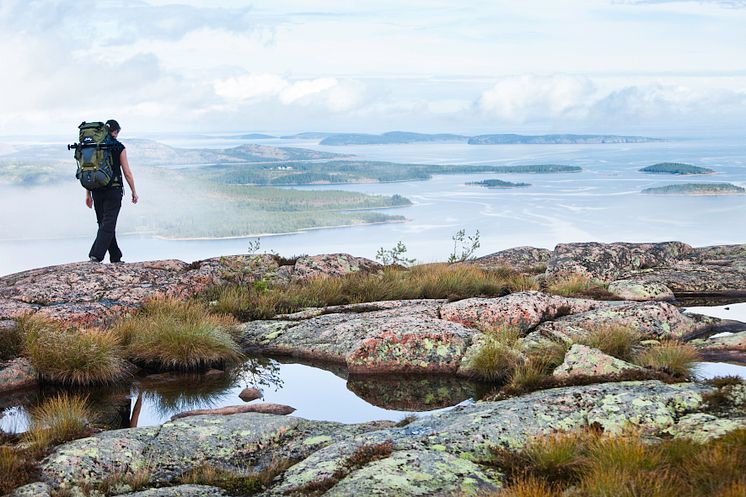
(107, 203)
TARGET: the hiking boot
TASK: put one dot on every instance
(93, 259)
(118, 262)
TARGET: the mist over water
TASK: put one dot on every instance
(47, 225)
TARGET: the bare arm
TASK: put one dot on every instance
(88, 199)
(128, 175)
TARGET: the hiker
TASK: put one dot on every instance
(107, 200)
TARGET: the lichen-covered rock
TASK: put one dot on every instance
(180, 491)
(177, 447)
(523, 310)
(417, 473)
(652, 319)
(610, 261)
(517, 258)
(702, 427)
(32, 490)
(582, 360)
(17, 373)
(399, 339)
(640, 290)
(314, 266)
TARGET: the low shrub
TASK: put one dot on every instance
(182, 335)
(73, 357)
(674, 358)
(237, 481)
(616, 340)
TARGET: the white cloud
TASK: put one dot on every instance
(330, 93)
(527, 97)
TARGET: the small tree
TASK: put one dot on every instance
(394, 255)
(464, 246)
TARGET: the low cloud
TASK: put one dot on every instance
(330, 93)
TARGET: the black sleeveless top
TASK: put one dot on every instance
(116, 165)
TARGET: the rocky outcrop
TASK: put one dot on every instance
(522, 310)
(524, 259)
(582, 360)
(441, 453)
(93, 294)
(250, 393)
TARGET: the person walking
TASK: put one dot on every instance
(107, 201)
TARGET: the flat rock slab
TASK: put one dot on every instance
(266, 408)
(88, 293)
(582, 360)
(180, 491)
(523, 310)
(386, 341)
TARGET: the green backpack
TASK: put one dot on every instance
(94, 155)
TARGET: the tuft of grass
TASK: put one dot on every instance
(427, 281)
(182, 335)
(74, 357)
(15, 469)
(723, 400)
(674, 358)
(499, 356)
(406, 420)
(11, 343)
(522, 283)
(59, 419)
(568, 284)
(236, 481)
(616, 340)
(590, 464)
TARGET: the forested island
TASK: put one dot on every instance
(497, 184)
(298, 173)
(562, 139)
(676, 168)
(392, 137)
(698, 189)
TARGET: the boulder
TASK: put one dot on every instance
(520, 259)
(249, 394)
(314, 266)
(610, 261)
(582, 360)
(640, 290)
(523, 310)
(17, 373)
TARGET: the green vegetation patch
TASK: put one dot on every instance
(676, 168)
(697, 189)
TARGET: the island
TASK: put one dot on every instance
(698, 189)
(676, 168)
(392, 137)
(562, 139)
(497, 184)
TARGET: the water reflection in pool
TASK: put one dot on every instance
(320, 394)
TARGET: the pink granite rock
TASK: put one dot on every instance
(18, 373)
(266, 408)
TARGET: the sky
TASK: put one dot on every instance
(655, 67)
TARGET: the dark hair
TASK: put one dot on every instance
(112, 125)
